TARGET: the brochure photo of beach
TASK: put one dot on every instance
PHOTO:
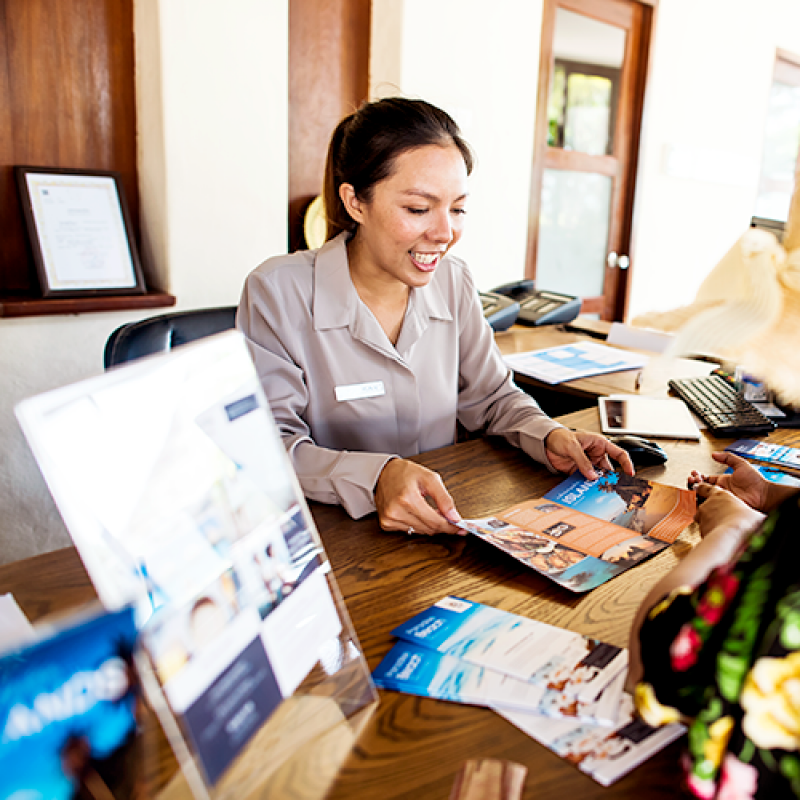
(583, 533)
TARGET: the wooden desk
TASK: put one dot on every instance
(412, 747)
(520, 339)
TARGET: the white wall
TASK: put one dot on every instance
(710, 73)
(212, 107)
(479, 62)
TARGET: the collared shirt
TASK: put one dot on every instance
(312, 337)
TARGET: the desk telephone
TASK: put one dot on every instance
(539, 307)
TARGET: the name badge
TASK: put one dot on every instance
(359, 391)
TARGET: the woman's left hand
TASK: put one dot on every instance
(570, 450)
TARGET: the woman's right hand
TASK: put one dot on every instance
(745, 482)
(412, 498)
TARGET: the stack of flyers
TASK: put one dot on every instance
(561, 688)
(417, 670)
(471, 653)
(604, 754)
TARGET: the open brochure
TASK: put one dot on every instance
(602, 753)
(523, 648)
(569, 362)
(582, 533)
(417, 670)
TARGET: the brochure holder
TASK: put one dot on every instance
(175, 486)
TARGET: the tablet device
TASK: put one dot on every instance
(658, 417)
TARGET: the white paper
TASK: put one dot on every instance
(14, 626)
(81, 231)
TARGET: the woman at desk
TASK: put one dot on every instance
(372, 347)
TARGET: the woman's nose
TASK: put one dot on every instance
(442, 229)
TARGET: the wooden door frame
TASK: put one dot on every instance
(626, 137)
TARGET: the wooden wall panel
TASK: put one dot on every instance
(66, 100)
(328, 78)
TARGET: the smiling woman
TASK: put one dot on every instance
(371, 348)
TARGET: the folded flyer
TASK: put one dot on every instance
(777, 455)
(68, 711)
(533, 651)
(420, 671)
(583, 533)
(605, 754)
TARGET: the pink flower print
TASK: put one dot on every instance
(738, 781)
(684, 649)
(721, 588)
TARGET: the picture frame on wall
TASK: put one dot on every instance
(79, 231)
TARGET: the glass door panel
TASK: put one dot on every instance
(781, 143)
(584, 92)
(573, 232)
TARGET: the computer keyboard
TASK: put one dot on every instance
(721, 406)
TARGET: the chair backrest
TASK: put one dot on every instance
(162, 333)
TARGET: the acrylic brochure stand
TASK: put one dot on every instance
(177, 491)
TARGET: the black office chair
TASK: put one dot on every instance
(162, 333)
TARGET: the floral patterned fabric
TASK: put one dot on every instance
(724, 657)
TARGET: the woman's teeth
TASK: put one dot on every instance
(426, 259)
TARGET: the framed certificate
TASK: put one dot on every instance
(80, 232)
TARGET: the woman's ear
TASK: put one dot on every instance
(352, 205)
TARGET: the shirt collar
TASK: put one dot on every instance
(336, 300)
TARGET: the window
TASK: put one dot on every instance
(779, 161)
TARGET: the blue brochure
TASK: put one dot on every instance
(522, 648)
(777, 455)
(68, 712)
(416, 670)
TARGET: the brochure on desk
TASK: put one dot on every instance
(583, 533)
(525, 649)
(177, 491)
(602, 753)
(777, 455)
(570, 362)
(68, 711)
(417, 670)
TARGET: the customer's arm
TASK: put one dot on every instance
(726, 523)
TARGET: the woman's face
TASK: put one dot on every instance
(412, 218)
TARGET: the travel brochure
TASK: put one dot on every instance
(176, 488)
(583, 533)
(604, 754)
(561, 688)
(776, 455)
(523, 648)
(570, 362)
(68, 711)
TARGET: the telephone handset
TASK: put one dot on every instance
(540, 307)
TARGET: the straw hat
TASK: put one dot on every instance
(748, 309)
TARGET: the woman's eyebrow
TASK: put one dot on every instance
(432, 197)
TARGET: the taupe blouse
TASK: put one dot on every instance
(346, 400)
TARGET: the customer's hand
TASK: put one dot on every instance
(745, 482)
(413, 499)
(722, 512)
(570, 450)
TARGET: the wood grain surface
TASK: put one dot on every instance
(414, 747)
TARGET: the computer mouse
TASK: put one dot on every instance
(643, 452)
